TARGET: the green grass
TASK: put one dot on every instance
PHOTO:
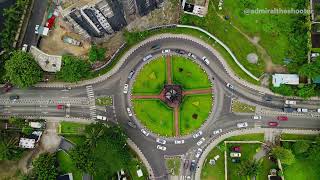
(151, 78)
(240, 107)
(104, 101)
(199, 105)
(266, 165)
(66, 165)
(302, 169)
(247, 137)
(71, 128)
(222, 29)
(189, 74)
(75, 139)
(298, 136)
(132, 167)
(173, 165)
(210, 172)
(247, 153)
(155, 115)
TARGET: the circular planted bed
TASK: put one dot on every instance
(172, 96)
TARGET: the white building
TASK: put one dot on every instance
(37, 125)
(27, 143)
(278, 79)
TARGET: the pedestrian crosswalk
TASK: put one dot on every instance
(93, 110)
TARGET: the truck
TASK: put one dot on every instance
(291, 102)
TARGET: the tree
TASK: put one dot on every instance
(44, 167)
(300, 147)
(81, 156)
(93, 133)
(73, 69)
(18, 122)
(285, 90)
(285, 155)
(27, 130)
(311, 70)
(22, 70)
(8, 147)
(96, 53)
(314, 150)
(249, 168)
(307, 91)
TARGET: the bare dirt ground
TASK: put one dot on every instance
(54, 45)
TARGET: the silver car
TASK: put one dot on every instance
(161, 141)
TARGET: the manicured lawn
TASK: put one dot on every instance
(240, 107)
(302, 169)
(66, 165)
(133, 166)
(247, 153)
(104, 101)
(298, 137)
(173, 165)
(247, 137)
(75, 139)
(221, 28)
(266, 165)
(210, 172)
(189, 74)
(194, 110)
(155, 115)
(71, 128)
(151, 78)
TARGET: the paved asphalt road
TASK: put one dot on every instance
(42, 102)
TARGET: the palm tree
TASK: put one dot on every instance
(8, 147)
(93, 132)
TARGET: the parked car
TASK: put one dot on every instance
(179, 141)
(235, 160)
(144, 132)
(206, 60)
(101, 117)
(291, 102)
(236, 148)
(273, 124)
(201, 141)
(193, 166)
(156, 46)
(132, 124)
(192, 55)
(230, 86)
(282, 118)
(256, 117)
(131, 74)
(304, 110)
(146, 58)
(161, 141)
(163, 148)
(60, 106)
(242, 125)
(197, 134)
(186, 164)
(129, 111)
(199, 151)
(14, 97)
(217, 131)
(235, 154)
(179, 51)
(125, 88)
(166, 51)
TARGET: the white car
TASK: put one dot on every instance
(229, 86)
(256, 117)
(165, 51)
(205, 60)
(129, 111)
(101, 117)
(235, 154)
(146, 58)
(192, 55)
(201, 141)
(163, 148)
(125, 88)
(24, 48)
(217, 131)
(161, 141)
(179, 141)
(144, 132)
(197, 134)
(318, 110)
(291, 102)
(304, 110)
(198, 152)
(242, 125)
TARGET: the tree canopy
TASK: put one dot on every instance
(285, 155)
(44, 167)
(22, 70)
(300, 147)
(73, 69)
(249, 168)
(311, 70)
(96, 53)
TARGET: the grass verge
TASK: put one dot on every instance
(240, 107)
(104, 101)
(66, 165)
(173, 165)
(247, 137)
(216, 171)
(71, 128)
(298, 136)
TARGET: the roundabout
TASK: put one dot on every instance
(172, 95)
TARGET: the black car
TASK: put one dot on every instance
(156, 46)
(193, 166)
(267, 98)
(131, 74)
(132, 124)
(186, 164)
(235, 160)
(14, 97)
(179, 51)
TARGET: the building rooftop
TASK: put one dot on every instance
(27, 143)
(278, 79)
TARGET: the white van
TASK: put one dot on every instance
(101, 117)
(290, 102)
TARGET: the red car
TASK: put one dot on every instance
(273, 124)
(60, 106)
(236, 148)
(282, 118)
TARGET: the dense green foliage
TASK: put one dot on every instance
(82, 158)
(249, 168)
(9, 149)
(285, 155)
(44, 167)
(284, 89)
(96, 53)
(311, 70)
(73, 69)
(22, 70)
(301, 147)
(303, 90)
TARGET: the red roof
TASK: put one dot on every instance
(50, 22)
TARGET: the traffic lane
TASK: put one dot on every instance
(37, 13)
